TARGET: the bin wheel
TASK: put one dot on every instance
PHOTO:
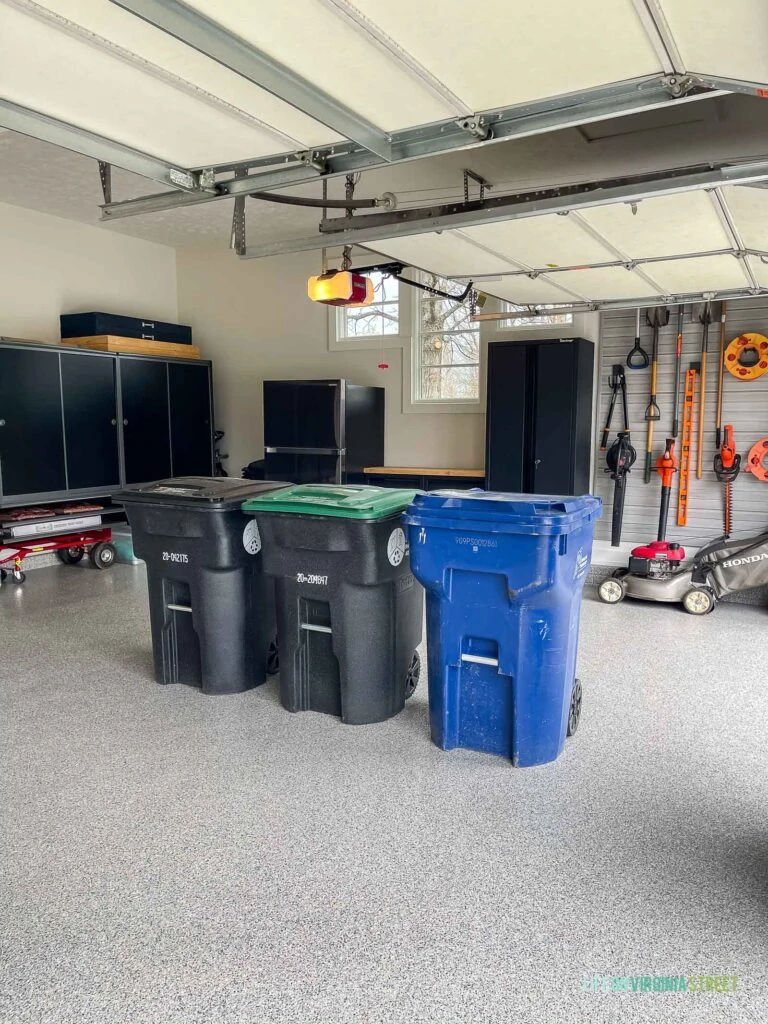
(612, 590)
(71, 556)
(18, 576)
(574, 714)
(698, 601)
(273, 658)
(412, 676)
(102, 555)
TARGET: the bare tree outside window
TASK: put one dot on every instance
(381, 318)
(447, 347)
(525, 320)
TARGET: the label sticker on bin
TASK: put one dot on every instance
(396, 546)
(252, 538)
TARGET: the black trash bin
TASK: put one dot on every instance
(349, 610)
(211, 607)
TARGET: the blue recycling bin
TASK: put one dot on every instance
(504, 574)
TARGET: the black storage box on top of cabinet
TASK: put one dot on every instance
(539, 416)
(322, 431)
(211, 608)
(88, 325)
(75, 423)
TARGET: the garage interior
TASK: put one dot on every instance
(526, 194)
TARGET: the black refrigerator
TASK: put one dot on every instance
(322, 431)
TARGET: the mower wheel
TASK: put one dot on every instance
(71, 556)
(612, 590)
(102, 555)
(698, 601)
(574, 713)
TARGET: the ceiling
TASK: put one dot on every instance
(201, 84)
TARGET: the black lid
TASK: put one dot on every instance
(199, 491)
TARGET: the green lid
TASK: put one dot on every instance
(350, 501)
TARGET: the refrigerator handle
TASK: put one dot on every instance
(339, 415)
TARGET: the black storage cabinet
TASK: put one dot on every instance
(211, 608)
(539, 416)
(348, 619)
(86, 325)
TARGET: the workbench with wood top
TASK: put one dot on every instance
(424, 478)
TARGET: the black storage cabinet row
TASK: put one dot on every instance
(539, 416)
(76, 423)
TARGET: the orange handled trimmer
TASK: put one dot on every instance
(666, 466)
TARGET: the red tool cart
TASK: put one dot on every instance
(71, 530)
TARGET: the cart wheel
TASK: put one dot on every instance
(574, 713)
(102, 555)
(273, 658)
(412, 677)
(18, 576)
(71, 556)
(612, 590)
(3, 576)
(698, 601)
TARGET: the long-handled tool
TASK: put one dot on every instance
(618, 385)
(686, 447)
(678, 368)
(666, 465)
(621, 455)
(705, 318)
(638, 357)
(727, 465)
(720, 376)
(620, 458)
(658, 317)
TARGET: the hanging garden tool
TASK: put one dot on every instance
(621, 455)
(638, 357)
(618, 385)
(658, 317)
(727, 465)
(678, 368)
(686, 447)
(620, 458)
(747, 356)
(705, 318)
(720, 376)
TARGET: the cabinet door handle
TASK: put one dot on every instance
(113, 422)
(125, 423)
(2, 423)
(537, 462)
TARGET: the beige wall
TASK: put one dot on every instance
(254, 320)
(49, 266)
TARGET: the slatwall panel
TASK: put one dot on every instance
(745, 405)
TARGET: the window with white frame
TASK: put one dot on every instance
(446, 347)
(381, 319)
(523, 317)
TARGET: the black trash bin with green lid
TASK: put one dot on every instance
(211, 607)
(349, 610)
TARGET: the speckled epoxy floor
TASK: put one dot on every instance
(173, 858)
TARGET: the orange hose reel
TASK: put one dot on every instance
(756, 459)
(747, 356)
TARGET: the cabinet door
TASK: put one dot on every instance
(189, 388)
(507, 414)
(146, 432)
(90, 420)
(555, 389)
(31, 431)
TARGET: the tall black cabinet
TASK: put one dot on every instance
(539, 416)
(77, 423)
